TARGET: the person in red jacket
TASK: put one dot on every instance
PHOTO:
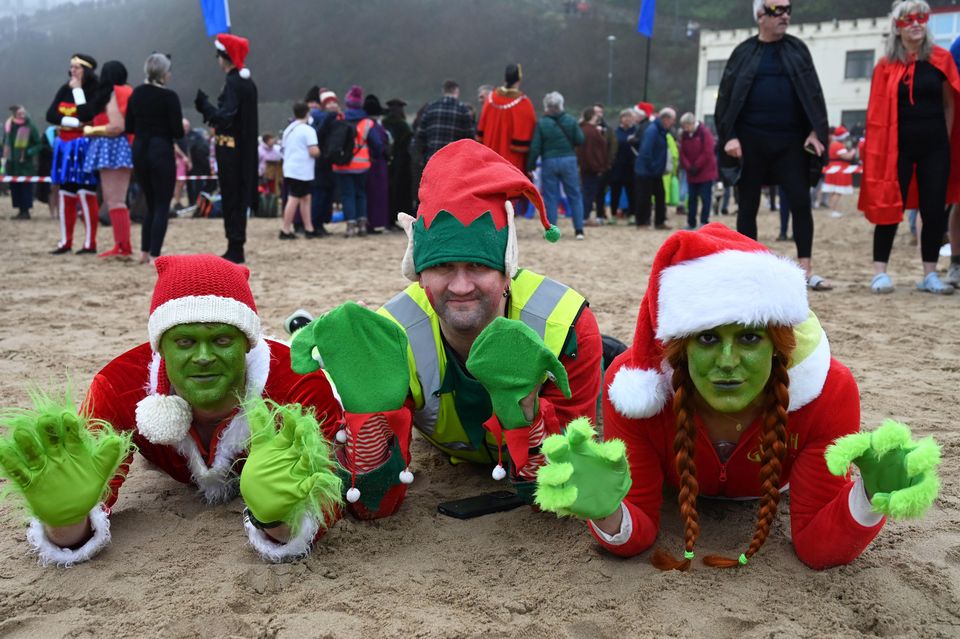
(190, 402)
(911, 158)
(729, 390)
(698, 158)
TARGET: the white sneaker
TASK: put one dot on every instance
(953, 275)
(580, 236)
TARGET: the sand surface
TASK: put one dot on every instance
(179, 568)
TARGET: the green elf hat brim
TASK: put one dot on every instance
(449, 240)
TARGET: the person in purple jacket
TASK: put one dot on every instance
(699, 159)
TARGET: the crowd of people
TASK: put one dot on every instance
(728, 389)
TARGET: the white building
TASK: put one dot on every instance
(844, 52)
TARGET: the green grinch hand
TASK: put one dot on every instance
(899, 474)
(355, 345)
(583, 477)
(289, 470)
(60, 461)
(511, 361)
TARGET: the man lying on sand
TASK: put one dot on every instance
(477, 353)
(729, 390)
(208, 400)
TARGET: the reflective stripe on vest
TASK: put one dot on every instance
(548, 307)
(361, 152)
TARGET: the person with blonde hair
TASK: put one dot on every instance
(911, 158)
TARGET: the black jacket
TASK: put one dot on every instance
(735, 85)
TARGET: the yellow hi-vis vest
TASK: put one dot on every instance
(546, 306)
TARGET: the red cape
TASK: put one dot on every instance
(880, 198)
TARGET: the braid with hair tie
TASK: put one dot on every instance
(774, 450)
(684, 409)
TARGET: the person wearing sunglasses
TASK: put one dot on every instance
(911, 157)
(772, 122)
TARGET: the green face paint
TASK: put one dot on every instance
(730, 365)
(206, 364)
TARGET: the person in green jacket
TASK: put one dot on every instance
(554, 140)
(671, 180)
(21, 144)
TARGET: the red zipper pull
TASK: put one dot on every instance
(723, 473)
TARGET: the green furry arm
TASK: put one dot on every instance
(290, 470)
(898, 473)
(59, 461)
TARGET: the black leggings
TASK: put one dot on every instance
(156, 173)
(776, 160)
(927, 149)
(618, 186)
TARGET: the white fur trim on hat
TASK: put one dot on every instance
(637, 393)
(808, 376)
(511, 257)
(295, 548)
(406, 266)
(49, 553)
(208, 309)
(751, 288)
(219, 46)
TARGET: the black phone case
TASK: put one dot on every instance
(479, 505)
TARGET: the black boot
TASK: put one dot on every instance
(24, 214)
(234, 252)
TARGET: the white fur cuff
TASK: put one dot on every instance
(272, 551)
(49, 553)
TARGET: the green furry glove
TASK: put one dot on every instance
(900, 474)
(583, 477)
(365, 354)
(289, 470)
(511, 361)
(60, 461)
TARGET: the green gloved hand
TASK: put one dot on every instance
(511, 361)
(60, 461)
(899, 474)
(356, 346)
(583, 477)
(289, 471)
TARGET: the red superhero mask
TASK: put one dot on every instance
(905, 21)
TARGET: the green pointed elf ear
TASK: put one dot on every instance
(302, 360)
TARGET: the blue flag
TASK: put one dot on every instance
(216, 13)
(645, 24)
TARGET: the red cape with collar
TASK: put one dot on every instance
(880, 198)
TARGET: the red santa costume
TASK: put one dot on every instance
(836, 176)
(507, 121)
(133, 393)
(700, 281)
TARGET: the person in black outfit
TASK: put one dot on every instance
(235, 119)
(913, 97)
(155, 119)
(772, 120)
(401, 161)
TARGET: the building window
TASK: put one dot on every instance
(859, 65)
(715, 72)
(854, 122)
(944, 28)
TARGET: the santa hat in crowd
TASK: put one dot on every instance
(235, 49)
(700, 280)
(465, 214)
(326, 96)
(841, 133)
(190, 289)
(354, 97)
(646, 108)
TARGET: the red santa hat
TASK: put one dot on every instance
(700, 280)
(465, 214)
(326, 95)
(841, 133)
(236, 49)
(190, 289)
(646, 108)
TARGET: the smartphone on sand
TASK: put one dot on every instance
(479, 505)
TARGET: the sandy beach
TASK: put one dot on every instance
(179, 568)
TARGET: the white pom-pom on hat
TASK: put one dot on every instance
(341, 436)
(163, 419)
(353, 495)
(245, 73)
(499, 473)
(406, 477)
